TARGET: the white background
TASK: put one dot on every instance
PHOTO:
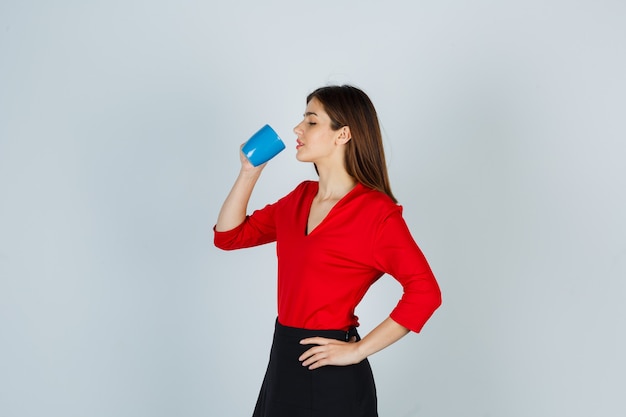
(120, 122)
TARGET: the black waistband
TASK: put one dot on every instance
(298, 333)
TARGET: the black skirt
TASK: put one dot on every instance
(292, 390)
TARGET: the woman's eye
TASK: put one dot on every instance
(312, 123)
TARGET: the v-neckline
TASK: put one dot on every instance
(308, 232)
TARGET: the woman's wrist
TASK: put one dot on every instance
(361, 351)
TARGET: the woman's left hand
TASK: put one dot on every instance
(330, 352)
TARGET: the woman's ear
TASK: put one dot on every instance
(344, 135)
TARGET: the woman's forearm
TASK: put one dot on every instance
(233, 211)
(385, 334)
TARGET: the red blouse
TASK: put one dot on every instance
(322, 276)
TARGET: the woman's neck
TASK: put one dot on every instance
(334, 184)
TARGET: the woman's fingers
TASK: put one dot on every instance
(245, 163)
(317, 341)
(329, 352)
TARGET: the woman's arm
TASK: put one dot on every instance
(339, 353)
(233, 211)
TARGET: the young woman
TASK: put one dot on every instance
(335, 237)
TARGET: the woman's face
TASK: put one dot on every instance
(316, 140)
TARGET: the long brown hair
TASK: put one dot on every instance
(365, 157)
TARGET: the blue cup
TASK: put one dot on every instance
(262, 146)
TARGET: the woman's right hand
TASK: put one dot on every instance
(246, 166)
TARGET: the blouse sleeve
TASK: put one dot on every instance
(397, 254)
(257, 229)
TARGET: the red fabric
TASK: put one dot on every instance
(322, 276)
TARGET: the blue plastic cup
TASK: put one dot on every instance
(263, 146)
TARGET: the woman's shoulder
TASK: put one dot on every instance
(377, 201)
(376, 196)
